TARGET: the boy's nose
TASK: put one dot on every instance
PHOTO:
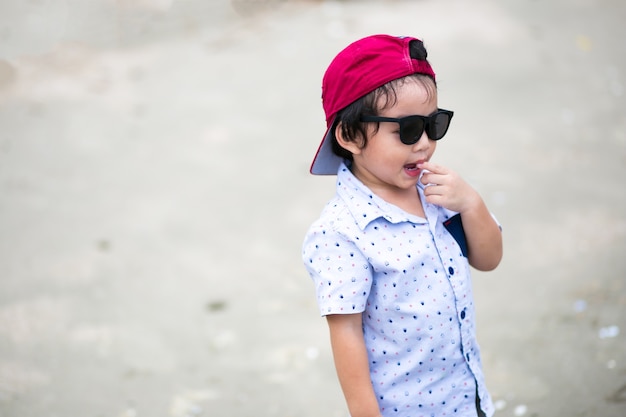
(423, 143)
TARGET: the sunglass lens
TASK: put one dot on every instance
(412, 130)
(439, 125)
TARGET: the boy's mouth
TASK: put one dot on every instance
(412, 169)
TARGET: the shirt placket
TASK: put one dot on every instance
(448, 253)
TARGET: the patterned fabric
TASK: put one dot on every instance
(408, 277)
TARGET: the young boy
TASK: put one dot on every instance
(390, 253)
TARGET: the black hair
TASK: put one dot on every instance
(352, 129)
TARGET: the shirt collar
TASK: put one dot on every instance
(364, 205)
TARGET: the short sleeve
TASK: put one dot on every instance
(341, 274)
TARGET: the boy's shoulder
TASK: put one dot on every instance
(334, 212)
(340, 216)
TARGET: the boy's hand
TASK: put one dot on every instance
(447, 189)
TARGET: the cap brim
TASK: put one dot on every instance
(325, 161)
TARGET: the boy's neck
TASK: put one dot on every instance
(407, 200)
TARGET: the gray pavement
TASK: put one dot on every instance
(154, 194)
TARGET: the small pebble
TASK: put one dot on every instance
(312, 353)
(520, 410)
(500, 405)
(580, 306)
(608, 332)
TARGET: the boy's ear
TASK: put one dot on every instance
(354, 147)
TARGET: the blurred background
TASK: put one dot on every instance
(154, 194)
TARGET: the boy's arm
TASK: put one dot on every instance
(352, 364)
(482, 233)
(483, 236)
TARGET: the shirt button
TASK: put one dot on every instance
(463, 314)
(451, 270)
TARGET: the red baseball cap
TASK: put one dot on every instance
(356, 71)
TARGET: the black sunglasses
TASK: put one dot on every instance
(412, 127)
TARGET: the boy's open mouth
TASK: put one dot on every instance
(412, 170)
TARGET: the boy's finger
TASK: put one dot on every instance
(433, 167)
(433, 178)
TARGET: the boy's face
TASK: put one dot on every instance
(386, 164)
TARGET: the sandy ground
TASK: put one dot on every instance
(154, 193)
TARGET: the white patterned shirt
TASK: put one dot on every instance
(408, 277)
